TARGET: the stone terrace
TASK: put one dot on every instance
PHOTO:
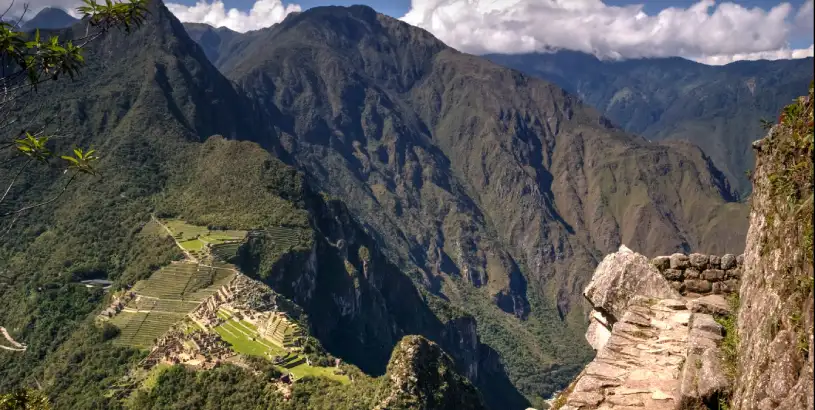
(696, 274)
(656, 350)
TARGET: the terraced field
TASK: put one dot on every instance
(183, 281)
(245, 339)
(140, 329)
(195, 238)
(165, 298)
(225, 252)
(282, 236)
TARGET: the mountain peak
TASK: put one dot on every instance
(51, 18)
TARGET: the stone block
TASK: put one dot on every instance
(715, 262)
(673, 274)
(699, 261)
(662, 262)
(692, 273)
(678, 286)
(731, 285)
(713, 275)
(728, 261)
(705, 323)
(717, 288)
(733, 273)
(679, 261)
(698, 286)
(711, 305)
(712, 378)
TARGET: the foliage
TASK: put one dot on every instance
(32, 61)
(228, 386)
(24, 399)
(730, 343)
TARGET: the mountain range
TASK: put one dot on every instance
(487, 196)
(49, 18)
(718, 108)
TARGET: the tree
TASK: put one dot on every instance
(24, 399)
(28, 60)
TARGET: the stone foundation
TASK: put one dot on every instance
(697, 275)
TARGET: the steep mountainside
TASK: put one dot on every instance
(715, 107)
(49, 18)
(662, 349)
(151, 103)
(496, 190)
(774, 356)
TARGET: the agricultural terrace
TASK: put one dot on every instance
(164, 299)
(245, 338)
(195, 238)
(283, 237)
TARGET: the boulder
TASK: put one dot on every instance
(698, 286)
(679, 261)
(711, 305)
(621, 276)
(692, 273)
(699, 261)
(713, 274)
(673, 274)
(661, 262)
(728, 261)
(715, 262)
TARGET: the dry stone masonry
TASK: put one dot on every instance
(656, 349)
(696, 274)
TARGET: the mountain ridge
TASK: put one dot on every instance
(715, 107)
(491, 185)
(49, 18)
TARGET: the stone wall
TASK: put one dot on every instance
(698, 275)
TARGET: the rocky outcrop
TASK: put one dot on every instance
(618, 278)
(698, 274)
(775, 321)
(422, 376)
(698, 353)
(655, 348)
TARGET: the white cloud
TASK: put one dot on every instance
(705, 31)
(16, 7)
(761, 55)
(263, 13)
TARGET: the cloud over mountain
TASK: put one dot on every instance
(263, 13)
(705, 31)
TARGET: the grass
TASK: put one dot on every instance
(243, 344)
(194, 237)
(237, 334)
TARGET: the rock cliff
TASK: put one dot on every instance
(666, 337)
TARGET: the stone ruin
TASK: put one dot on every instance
(116, 305)
(697, 274)
(198, 348)
(656, 349)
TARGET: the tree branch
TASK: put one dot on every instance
(26, 208)
(15, 179)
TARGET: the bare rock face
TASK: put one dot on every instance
(776, 319)
(621, 276)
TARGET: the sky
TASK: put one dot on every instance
(707, 31)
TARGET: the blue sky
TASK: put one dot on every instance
(398, 8)
(708, 31)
